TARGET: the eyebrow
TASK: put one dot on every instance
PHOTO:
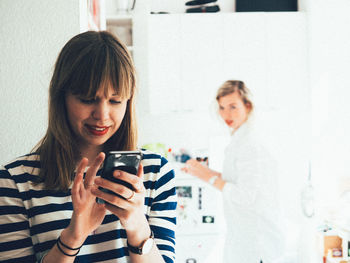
(231, 104)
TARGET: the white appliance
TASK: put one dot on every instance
(200, 222)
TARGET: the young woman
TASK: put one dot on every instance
(247, 183)
(48, 206)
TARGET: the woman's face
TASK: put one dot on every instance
(95, 120)
(233, 110)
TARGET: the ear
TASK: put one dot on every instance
(248, 106)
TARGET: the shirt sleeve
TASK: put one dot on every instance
(15, 241)
(162, 218)
(247, 165)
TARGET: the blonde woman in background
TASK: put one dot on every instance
(247, 183)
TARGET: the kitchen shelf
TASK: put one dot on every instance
(119, 20)
(337, 260)
(121, 25)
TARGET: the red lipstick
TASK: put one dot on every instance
(228, 122)
(97, 130)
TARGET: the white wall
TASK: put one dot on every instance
(32, 34)
(330, 64)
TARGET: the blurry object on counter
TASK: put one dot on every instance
(334, 243)
(330, 241)
(266, 5)
(157, 147)
(202, 6)
(203, 160)
(182, 157)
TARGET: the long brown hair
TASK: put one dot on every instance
(87, 62)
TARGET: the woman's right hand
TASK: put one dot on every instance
(87, 213)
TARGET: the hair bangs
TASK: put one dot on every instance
(116, 75)
(101, 68)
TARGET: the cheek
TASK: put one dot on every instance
(76, 115)
(242, 115)
(118, 115)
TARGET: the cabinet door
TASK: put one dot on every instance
(201, 59)
(287, 60)
(164, 63)
(244, 49)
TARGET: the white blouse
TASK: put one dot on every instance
(251, 203)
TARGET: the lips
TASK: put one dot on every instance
(97, 130)
(228, 122)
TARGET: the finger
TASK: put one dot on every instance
(113, 199)
(82, 165)
(78, 181)
(139, 187)
(91, 172)
(117, 188)
(140, 172)
(135, 180)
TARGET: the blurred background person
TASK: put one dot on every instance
(248, 183)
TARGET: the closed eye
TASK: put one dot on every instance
(115, 101)
(87, 101)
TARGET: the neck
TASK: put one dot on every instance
(90, 152)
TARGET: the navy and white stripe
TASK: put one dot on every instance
(32, 218)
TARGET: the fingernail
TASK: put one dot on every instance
(117, 173)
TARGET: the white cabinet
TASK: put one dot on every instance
(163, 66)
(200, 50)
(287, 58)
(190, 55)
(244, 52)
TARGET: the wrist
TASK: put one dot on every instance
(144, 248)
(71, 239)
(137, 236)
(212, 180)
(219, 183)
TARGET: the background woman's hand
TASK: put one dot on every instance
(129, 206)
(87, 214)
(197, 169)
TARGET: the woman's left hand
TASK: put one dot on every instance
(197, 169)
(129, 206)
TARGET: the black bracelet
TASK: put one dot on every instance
(64, 253)
(60, 241)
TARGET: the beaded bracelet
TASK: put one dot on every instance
(59, 243)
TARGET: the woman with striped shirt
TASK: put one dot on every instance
(48, 202)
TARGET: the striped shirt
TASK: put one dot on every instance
(32, 218)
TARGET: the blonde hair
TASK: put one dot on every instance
(231, 86)
(89, 61)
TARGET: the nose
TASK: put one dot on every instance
(101, 111)
(225, 114)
